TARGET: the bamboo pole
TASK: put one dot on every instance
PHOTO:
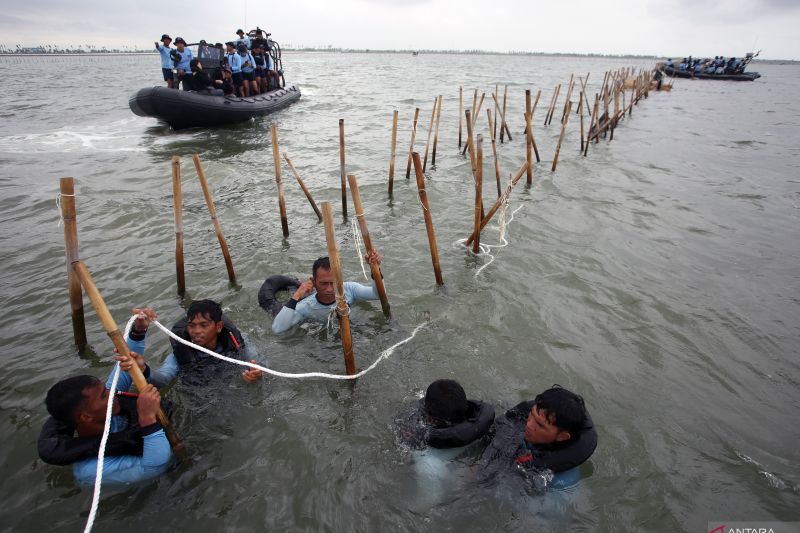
(436, 132)
(476, 244)
(177, 205)
(212, 210)
(504, 125)
(499, 201)
(460, 113)
(591, 123)
(474, 102)
(110, 326)
(342, 310)
(492, 124)
(392, 154)
(564, 123)
(528, 145)
(616, 112)
(303, 186)
(570, 86)
(411, 148)
(580, 110)
(503, 117)
(426, 213)
(362, 225)
(474, 122)
(583, 88)
(533, 139)
(496, 109)
(470, 142)
(278, 181)
(341, 172)
(70, 219)
(428, 140)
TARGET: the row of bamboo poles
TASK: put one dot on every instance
(610, 106)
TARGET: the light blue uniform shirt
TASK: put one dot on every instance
(235, 62)
(310, 307)
(186, 57)
(246, 58)
(166, 61)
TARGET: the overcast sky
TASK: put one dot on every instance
(652, 27)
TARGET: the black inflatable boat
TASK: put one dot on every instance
(743, 76)
(190, 109)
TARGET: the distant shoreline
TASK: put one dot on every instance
(401, 52)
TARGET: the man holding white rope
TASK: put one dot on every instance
(204, 326)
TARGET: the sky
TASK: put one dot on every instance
(646, 27)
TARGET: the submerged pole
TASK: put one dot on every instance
(460, 113)
(430, 130)
(411, 147)
(70, 219)
(436, 132)
(426, 213)
(212, 210)
(342, 309)
(392, 154)
(341, 171)
(499, 201)
(564, 123)
(177, 205)
(477, 215)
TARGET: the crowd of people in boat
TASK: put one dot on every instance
(245, 68)
(718, 65)
(539, 439)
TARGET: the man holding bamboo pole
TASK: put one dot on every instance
(316, 297)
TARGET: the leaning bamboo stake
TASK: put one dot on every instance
(503, 118)
(279, 182)
(504, 125)
(302, 186)
(212, 210)
(591, 123)
(341, 171)
(460, 113)
(70, 219)
(392, 154)
(426, 213)
(570, 87)
(476, 244)
(533, 139)
(474, 121)
(430, 130)
(413, 137)
(561, 136)
(177, 205)
(499, 201)
(436, 132)
(528, 144)
(342, 309)
(362, 226)
(580, 110)
(470, 142)
(496, 109)
(110, 326)
(494, 150)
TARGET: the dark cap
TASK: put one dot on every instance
(446, 401)
(230, 43)
(179, 40)
(164, 37)
(240, 30)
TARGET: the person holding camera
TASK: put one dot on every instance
(248, 70)
(182, 58)
(166, 61)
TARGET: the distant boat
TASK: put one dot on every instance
(744, 76)
(415, 54)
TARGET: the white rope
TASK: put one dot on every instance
(98, 477)
(384, 354)
(358, 240)
(58, 206)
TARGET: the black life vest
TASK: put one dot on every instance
(58, 445)
(225, 338)
(414, 431)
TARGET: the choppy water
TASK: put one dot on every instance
(658, 277)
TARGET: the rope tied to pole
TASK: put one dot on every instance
(358, 241)
(58, 206)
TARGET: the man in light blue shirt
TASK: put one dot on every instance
(243, 39)
(235, 64)
(166, 61)
(184, 69)
(316, 297)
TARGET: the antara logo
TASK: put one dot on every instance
(721, 529)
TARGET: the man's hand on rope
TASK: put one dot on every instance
(143, 318)
(252, 375)
(126, 363)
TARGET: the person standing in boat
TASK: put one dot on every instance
(184, 64)
(261, 67)
(248, 70)
(316, 297)
(166, 61)
(235, 64)
(243, 39)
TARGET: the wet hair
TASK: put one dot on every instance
(205, 308)
(564, 408)
(65, 398)
(446, 401)
(322, 262)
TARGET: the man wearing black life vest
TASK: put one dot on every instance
(551, 434)
(204, 325)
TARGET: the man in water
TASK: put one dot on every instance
(204, 326)
(79, 403)
(557, 435)
(316, 297)
(166, 61)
